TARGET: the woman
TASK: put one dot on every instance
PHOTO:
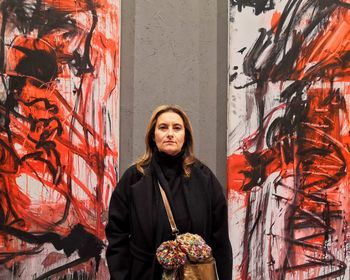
(138, 223)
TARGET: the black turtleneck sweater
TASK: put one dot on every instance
(171, 167)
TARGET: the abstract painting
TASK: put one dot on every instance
(289, 138)
(59, 123)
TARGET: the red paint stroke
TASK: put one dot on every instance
(327, 49)
(275, 21)
(236, 164)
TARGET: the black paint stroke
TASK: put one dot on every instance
(61, 268)
(78, 240)
(259, 6)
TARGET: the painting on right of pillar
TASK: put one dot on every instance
(289, 139)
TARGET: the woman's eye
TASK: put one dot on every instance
(177, 128)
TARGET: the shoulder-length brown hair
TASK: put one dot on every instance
(189, 157)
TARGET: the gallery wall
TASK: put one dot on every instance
(175, 52)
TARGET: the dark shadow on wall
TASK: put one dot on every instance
(222, 72)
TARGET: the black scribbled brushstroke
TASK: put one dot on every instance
(5, 257)
(259, 5)
(3, 7)
(28, 16)
(279, 64)
(258, 175)
(275, 69)
(62, 268)
(9, 105)
(83, 242)
(52, 108)
(38, 64)
(241, 51)
(40, 156)
(233, 77)
(2, 216)
(85, 64)
(74, 275)
(65, 212)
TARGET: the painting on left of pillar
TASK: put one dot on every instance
(59, 134)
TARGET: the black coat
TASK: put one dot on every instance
(137, 220)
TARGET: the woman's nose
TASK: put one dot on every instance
(170, 132)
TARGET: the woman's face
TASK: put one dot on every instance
(169, 133)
